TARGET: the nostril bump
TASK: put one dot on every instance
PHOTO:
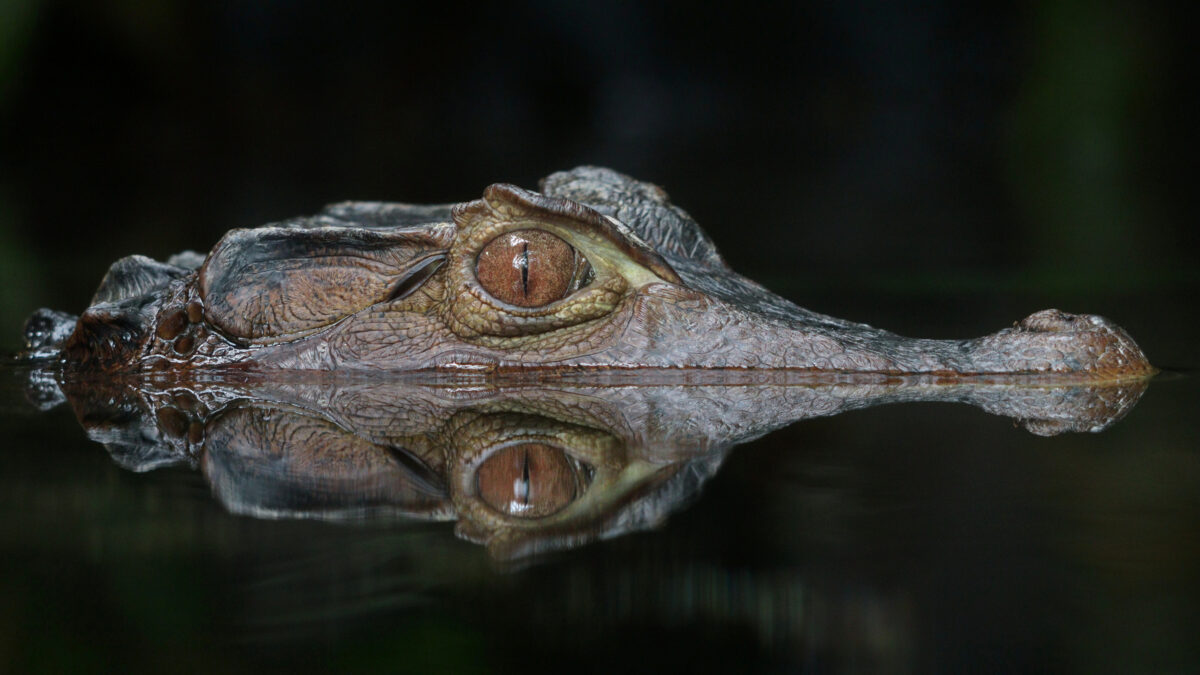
(1047, 320)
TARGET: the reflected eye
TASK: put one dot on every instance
(529, 481)
(530, 268)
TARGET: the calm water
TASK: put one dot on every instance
(915, 537)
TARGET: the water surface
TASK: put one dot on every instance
(906, 537)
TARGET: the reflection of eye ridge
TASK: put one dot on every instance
(476, 435)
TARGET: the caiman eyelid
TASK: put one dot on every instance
(416, 277)
(276, 282)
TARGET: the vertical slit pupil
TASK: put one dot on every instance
(524, 493)
(525, 268)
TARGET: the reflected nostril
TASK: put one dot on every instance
(184, 345)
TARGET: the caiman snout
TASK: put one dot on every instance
(680, 327)
(1053, 341)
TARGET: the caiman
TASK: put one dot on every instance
(595, 272)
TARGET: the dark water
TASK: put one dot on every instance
(916, 537)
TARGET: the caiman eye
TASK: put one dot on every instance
(530, 480)
(530, 268)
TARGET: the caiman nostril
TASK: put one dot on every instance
(172, 324)
(46, 330)
(195, 311)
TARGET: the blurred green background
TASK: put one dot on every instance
(832, 149)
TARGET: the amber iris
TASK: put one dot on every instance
(526, 268)
(530, 480)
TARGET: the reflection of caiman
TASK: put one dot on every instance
(598, 271)
(524, 468)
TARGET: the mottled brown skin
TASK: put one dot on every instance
(632, 283)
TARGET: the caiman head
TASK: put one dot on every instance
(596, 271)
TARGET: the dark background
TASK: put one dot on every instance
(859, 157)
(940, 169)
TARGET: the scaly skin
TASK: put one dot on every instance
(393, 287)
